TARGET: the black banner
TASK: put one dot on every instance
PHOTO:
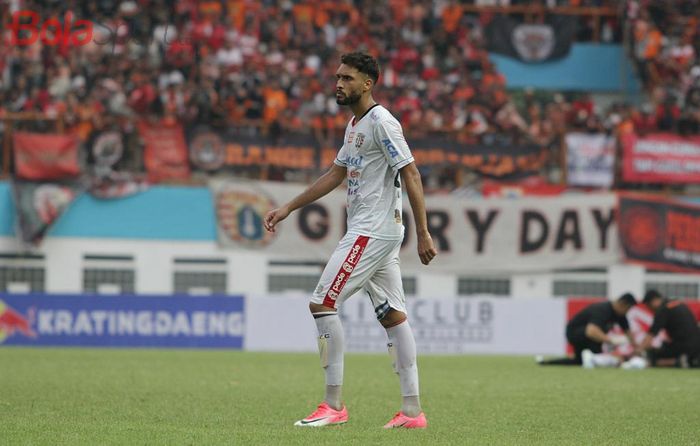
(660, 233)
(531, 42)
(213, 151)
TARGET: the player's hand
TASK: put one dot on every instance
(275, 216)
(617, 340)
(426, 249)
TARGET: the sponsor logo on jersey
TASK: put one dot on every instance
(354, 161)
(359, 140)
(351, 135)
(344, 273)
(339, 282)
(390, 148)
(353, 257)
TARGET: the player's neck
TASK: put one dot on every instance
(360, 107)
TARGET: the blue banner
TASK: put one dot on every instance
(122, 321)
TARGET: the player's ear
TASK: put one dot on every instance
(368, 84)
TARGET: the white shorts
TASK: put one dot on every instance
(367, 264)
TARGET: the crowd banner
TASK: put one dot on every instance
(165, 154)
(531, 42)
(590, 159)
(471, 236)
(122, 321)
(441, 326)
(660, 158)
(41, 156)
(39, 204)
(213, 151)
(660, 233)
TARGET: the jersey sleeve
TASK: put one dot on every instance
(389, 137)
(341, 158)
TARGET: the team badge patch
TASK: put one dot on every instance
(359, 140)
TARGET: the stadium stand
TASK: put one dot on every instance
(266, 68)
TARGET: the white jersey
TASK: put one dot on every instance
(373, 151)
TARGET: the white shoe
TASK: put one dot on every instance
(587, 359)
(635, 363)
(539, 359)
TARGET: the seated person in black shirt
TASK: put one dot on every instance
(675, 317)
(588, 329)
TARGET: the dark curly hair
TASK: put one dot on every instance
(364, 63)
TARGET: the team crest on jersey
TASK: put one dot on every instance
(359, 140)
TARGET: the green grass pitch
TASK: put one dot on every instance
(173, 397)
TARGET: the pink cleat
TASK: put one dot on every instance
(401, 420)
(324, 415)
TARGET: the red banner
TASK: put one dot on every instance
(45, 156)
(165, 154)
(660, 233)
(661, 158)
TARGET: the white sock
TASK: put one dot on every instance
(402, 348)
(605, 360)
(331, 342)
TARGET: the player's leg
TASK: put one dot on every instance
(668, 355)
(386, 292)
(341, 278)
(578, 340)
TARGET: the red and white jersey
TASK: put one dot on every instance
(373, 151)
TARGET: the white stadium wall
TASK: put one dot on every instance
(184, 240)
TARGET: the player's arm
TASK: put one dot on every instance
(656, 326)
(323, 185)
(414, 187)
(631, 339)
(646, 342)
(596, 333)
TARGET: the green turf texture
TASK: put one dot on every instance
(173, 397)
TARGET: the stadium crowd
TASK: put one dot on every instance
(665, 40)
(268, 66)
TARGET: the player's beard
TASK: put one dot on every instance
(349, 99)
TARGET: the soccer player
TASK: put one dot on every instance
(588, 330)
(675, 317)
(376, 160)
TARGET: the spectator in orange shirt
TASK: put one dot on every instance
(451, 16)
(275, 102)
